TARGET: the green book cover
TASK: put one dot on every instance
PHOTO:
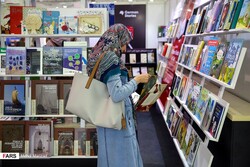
(244, 17)
(236, 14)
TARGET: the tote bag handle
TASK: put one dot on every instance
(94, 71)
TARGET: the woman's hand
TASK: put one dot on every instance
(142, 78)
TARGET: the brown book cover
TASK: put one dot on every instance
(91, 142)
(64, 89)
(12, 135)
(44, 97)
(80, 141)
(38, 138)
(64, 141)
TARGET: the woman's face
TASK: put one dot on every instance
(124, 48)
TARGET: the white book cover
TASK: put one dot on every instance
(2, 61)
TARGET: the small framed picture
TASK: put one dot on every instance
(144, 70)
(136, 71)
(151, 58)
(143, 58)
(132, 58)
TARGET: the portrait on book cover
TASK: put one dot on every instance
(47, 99)
(14, 99)
(39, 140)
(65, 143)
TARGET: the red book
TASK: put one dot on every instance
(164, 50)
(16, 16)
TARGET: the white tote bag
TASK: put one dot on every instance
(89, 99)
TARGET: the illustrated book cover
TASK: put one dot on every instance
(16, 60)
(44, 97)
(209, 111)
(182, 130)
(68, 24)
(13, 97)
(63, 141)
(193, 95)
(33, 61)
(72, 60)
(50, 22)
(52, 60)
(151, 91)
(38, 138)
(244, 17)
(16, 17)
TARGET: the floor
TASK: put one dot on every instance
(156, 145)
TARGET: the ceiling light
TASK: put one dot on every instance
(64, 6)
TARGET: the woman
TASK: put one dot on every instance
(117, 148)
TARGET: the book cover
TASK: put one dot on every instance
(230, 60)
(80, 141)
(191, 27)
(244, 17)
(209, 111)
(192, 148)
(162, 31)
(151, 91)
(38, 135)
(197, 54)
(177, 84)
(132, 58)
(216, 119)
(63, 141)
(143, 57)
(50, 22)
(151, 57)
(16, 17)
(32, 20)
(33, 61)
(151, 70)
(164, 49)
(170, 115)
(13, 136)
(64, 87)
(2, 61)
(91, 142)
(211, 51)
(136, 71)
(223, 16)
(236, 14)
(52, 60)
(185, 142)
(82, 44)
(5, 18)
(182, 86)
(201, 104)
(68, 24)
(13, 97)
(144, 70)
(72, 60)
(16, 60)
(182, 130)
(230, 14)
(202, 19)
(175, 123)
(44, 97)
(193, 95)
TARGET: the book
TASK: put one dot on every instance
(201, 104)
(175, 123)
(182, 130)
(13, 97)
(230, 60)
(170, 114)
(33, 60)
(12, 135)
(193, 95)
(177, 84)
(5, 18)
(197, 54)
(151, 70)
(217, 115)
(50, 22)
(2, 61)
(244, 19)
(64, 87)
(209, 111)
(218, 60)
(16, 60)
(202, 18)
(143, 57)
(136, 71)
(72, 60)
(16, 17)
(151, 91)
(52, 60)
(144, 70)
(63, 141)
(223, 16)
(203, 156)
(162, 31)
(91, 142)
(132, 58)
(38, 138)
(80, 141)
(151, 57)
(236, 14)
(68, 25)
(230, 14)
(184, 145)
(44, 97)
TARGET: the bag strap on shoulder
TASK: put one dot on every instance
(94, 71)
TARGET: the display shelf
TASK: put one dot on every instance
(232, 31)
(75, 157)
(40, 75)
(47, 36)
(160, 105)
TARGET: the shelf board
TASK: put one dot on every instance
(48, 36)
(160, 105)
(74, 157)
(164, 39)
(232, 31)
(66, 116)
(40, 75)
(180, 153)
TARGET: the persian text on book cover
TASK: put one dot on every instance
(39, 140)
(50, 22)
(32, 20)
(52, 60)
(16, 17)
(16, 60)
(13, 138)
(33, 61)
(46, 100)
(72, 60)
(68, 24)
(14, 99)
(244, 17)
(66, 142)
(80, 141)
(91, 21)
(2, 61)
(230, 61)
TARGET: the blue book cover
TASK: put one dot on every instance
(193, 95)
(52, 60)
(72, 59)
(212, 49)
(16, 60)
(14, 99)
(50, 22)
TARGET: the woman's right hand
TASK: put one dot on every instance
(142, 78)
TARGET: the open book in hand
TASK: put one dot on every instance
(150, 93)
